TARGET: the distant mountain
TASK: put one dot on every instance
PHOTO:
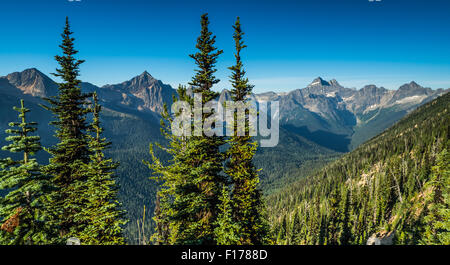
(322, 111)
(29, 82)
(142, 92)
(341, 118)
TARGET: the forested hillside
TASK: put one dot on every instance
(398, 181)
(293, 158)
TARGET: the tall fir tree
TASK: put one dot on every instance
(192, 182)
(71, 154)
(23, 215)
(203, 155)
(176, 188)
(102, 207)
(248, 205)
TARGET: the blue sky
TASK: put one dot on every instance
(290, 42)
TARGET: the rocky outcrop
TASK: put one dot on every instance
(381, 238)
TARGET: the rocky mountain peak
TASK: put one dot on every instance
(410, 85)
(145, 75)
(33, 82)
(413, 88)
(143, 92)
(319, 82)
(142, 81)
(334, 82)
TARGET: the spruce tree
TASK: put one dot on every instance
(203, 156)
(71, 154)
(176, 185)
(248, 205)
(23, 215)
(192, 181)
(227, 230)
(102, 208)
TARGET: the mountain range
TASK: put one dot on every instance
(318, 123)
(341, 118)
(324, 112)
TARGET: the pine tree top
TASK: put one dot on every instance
(241, 87)
(205, 59)
(69, 64)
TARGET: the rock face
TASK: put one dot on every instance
(32, 82)
(143, 92)
(381, 238)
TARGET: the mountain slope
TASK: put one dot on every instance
(390, 183)
(31, 82)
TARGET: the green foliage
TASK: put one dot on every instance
(227, 230)
(246, 194)
(130, 135)
(84, 204)
(437, 220)
(191, 183)
(71, 154)
(101, 207)
(23, 214)
(293, 158)
(397, 181)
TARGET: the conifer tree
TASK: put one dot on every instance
(437, 229)
(203, 156)
(175, 183)
(102, 208)
(296, 229)
(23, 215)
(344, 233)
(334, 218)
(70, 155)
(248, 205)
(281, 236)
(192, 181)
(227, 230)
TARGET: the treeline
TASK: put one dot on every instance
(397, 182)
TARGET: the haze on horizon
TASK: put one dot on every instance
(290, 43)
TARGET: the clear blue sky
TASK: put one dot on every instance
(357, 42)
